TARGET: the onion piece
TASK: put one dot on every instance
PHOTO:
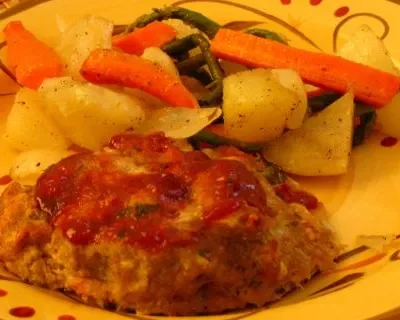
(62, 25)
(161, 59)
(380, 243)
(365, 47)
(80, 39)
(179, 123)
(290, 79)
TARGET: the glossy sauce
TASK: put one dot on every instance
(289, 195)
(92, 198)
(4, 180)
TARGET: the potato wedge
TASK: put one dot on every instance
(365, 47)
(80, 39)
(29, 165)
(321, 147)
(256, 106)
(28, 127)
(88, 114)
(180, 123)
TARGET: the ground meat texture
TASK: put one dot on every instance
(116, 226)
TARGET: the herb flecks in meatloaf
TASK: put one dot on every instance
(147, 226)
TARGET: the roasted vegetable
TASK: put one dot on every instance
(28, 126)
(179, 123)
(365, 47)
(126, 70)
(80, 39)
(155, 34)
(320, 69)
(257, 107)
(194, 63)
(321, 147)
(90, 115)
(31, 59)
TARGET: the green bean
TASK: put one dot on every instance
(319, 103)
(197, 20)
(193, 18)
(364, 129)
(179, 46)
(202, 75)
(181, 57)
(362, 109)
(272, 172)
(215, 69)
(217, 140)
(144, 20)
(261, 33)
(217, 74)
(191, 64)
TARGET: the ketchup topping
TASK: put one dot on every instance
(288, 194)
(146, 149)
(99, 197)
(5, 180)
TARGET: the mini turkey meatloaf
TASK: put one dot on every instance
(148, 226)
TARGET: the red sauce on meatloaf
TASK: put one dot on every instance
(287, 194)
(92, 197)
(4, 180)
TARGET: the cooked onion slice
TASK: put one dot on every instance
(180, 123)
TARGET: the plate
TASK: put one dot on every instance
(364, 201)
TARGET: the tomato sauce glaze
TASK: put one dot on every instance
(95, 197)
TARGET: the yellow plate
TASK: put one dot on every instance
(365, 201)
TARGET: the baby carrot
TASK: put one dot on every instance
(32, 60)
(330, 72)
(114, 67)
(155, 34)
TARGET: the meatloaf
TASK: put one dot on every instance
(148, 225)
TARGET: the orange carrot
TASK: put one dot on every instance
(31, 60)
(326, 71)
(155, 34)
(218, 129)
(114, 67)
